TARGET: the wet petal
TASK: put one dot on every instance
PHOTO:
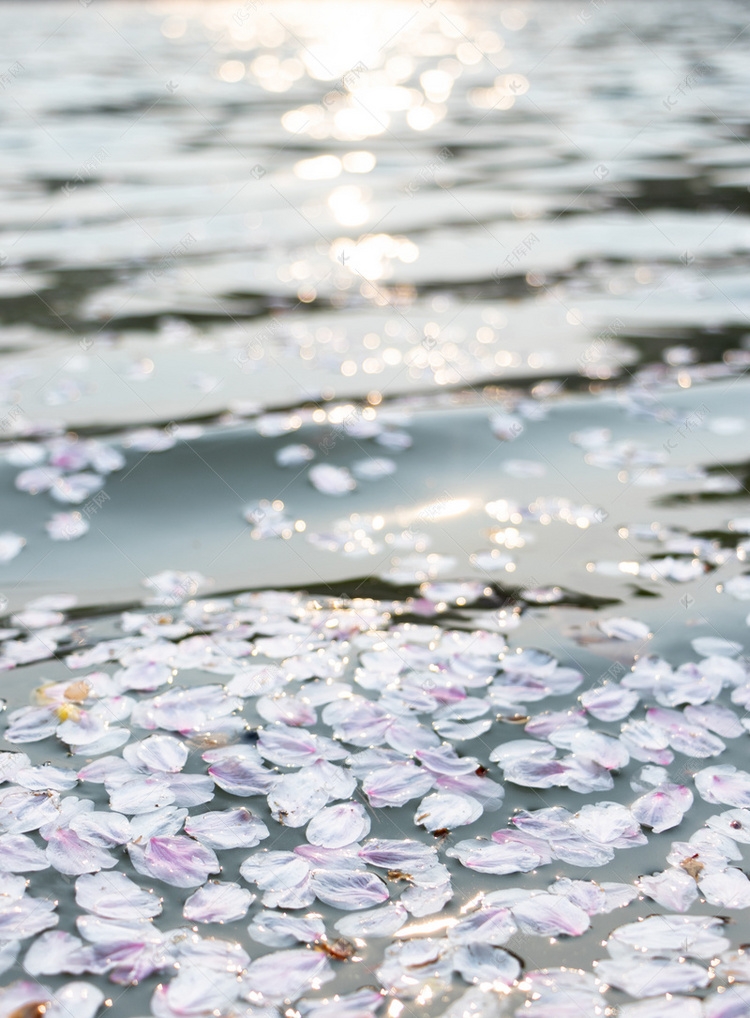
(340, 825)
(663, 808)
(280, 930)
(447, 810)
(378, 922)
(673, 888)
(285, 975)
(218, 902)
(115, 896)
(230, 828)
(483, 963)
(68, 853)
(549, 915)
(652, 977)
(730, 889)
(178, 860)
(349, 890)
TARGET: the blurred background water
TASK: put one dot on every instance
(358, 213)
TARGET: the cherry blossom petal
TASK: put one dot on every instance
(218, 902)
(177, 860)
(230, 828)
(285, 975)
(339, 825)
(349, 890)
(115, 896)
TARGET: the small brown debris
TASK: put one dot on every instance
(692, 866)
(341, 949)
(78, 691)
(400, 875)
(29, 1011)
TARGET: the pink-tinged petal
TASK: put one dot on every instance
(666, 935)
(549, 915)
(289, 710)
(617, 895)
(195, 992)
(19, 854)
(647, 742)
(674, 888)
(603, 749)
(190, 789)
(586, 894)
(186, 710)
(730, 889)
(732, 823)
(277, 929)
(269, 870)
(446, 811)
(69, 854)
(115, 896)
(520, 749)
(218, 902)
(410, 965)
(240, 770)
(56, 952)
(46, 776)
(609, 702)
(294, 800)
(127, 951)
(157, 754)
(535, 773)
(730, 1004)
(483, 963)
(162, 823)
(141, 795)
(349, 890)
(686, 737)
(426, 899)
(716, 718)
(339, 825)
(111, 771)
(489, 857)
(105, 830)
(489, 925)
(724, 784)
(144, 676)
(521, 837)
(178, 860)
(362, 1003)
(25, 917)
(397, 784)
(31, 724)
(77, 998)
(652, 976)
(407, 855)
(663, 808)
(624, 629)
(608, 823)
(443, 761)
(378, 922)
(286, 975)
(229, 828)
(294, 747)
(331, 480)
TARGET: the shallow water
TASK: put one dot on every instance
(500, 247)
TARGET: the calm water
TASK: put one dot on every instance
(502, 247)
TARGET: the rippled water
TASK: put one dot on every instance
(485, 260)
